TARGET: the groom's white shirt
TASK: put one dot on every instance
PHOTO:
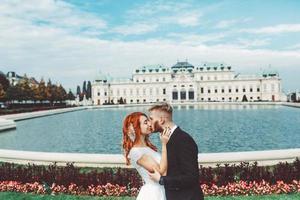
(172, 130)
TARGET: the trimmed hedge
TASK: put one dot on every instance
(221, 175)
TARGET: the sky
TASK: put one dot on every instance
(73, 40)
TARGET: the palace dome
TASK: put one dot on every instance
(182, 65)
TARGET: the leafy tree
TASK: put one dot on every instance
(36, 93)
(121, 101)
(4, 81)
(14, 93)
(41, 92)
(244, 99)
(78, 90)
(70, 95)
(49, 92)
(26, 92)
(84, 90)
(2, 93)
(89, 90)
(61, 94)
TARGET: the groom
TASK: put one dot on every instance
(182, 179)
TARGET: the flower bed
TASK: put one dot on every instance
(233, 189)
(242, 179)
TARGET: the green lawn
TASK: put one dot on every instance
(22, 196)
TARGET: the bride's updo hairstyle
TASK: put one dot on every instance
(132, 133)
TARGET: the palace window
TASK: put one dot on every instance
(202, 90)
(182, 95)
(191, 94)
(164, 91)
(175, 95)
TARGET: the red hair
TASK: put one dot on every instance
(134, 119)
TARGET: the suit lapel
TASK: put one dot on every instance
(173, 136)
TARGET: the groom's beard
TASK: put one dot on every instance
(157, 127)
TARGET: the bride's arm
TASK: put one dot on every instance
(150, 164)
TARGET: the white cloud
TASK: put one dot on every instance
(191, 19)
(246, 43)
(196, 39)
(135, 29)
(167, 13)
(277, 29)
(59, 54)
(294, 47)
(52, 13)
(155, 8)
(228, 23)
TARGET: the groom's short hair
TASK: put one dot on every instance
(164, 107)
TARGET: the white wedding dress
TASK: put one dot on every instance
(151, 190)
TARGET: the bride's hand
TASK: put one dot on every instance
(165, 135)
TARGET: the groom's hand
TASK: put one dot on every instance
(155, 175)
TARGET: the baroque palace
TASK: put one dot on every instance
(183, 83)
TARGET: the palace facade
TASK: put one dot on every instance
(183, 83)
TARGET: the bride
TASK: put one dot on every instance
(143, 155)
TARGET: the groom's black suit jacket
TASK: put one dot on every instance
(182, 179)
